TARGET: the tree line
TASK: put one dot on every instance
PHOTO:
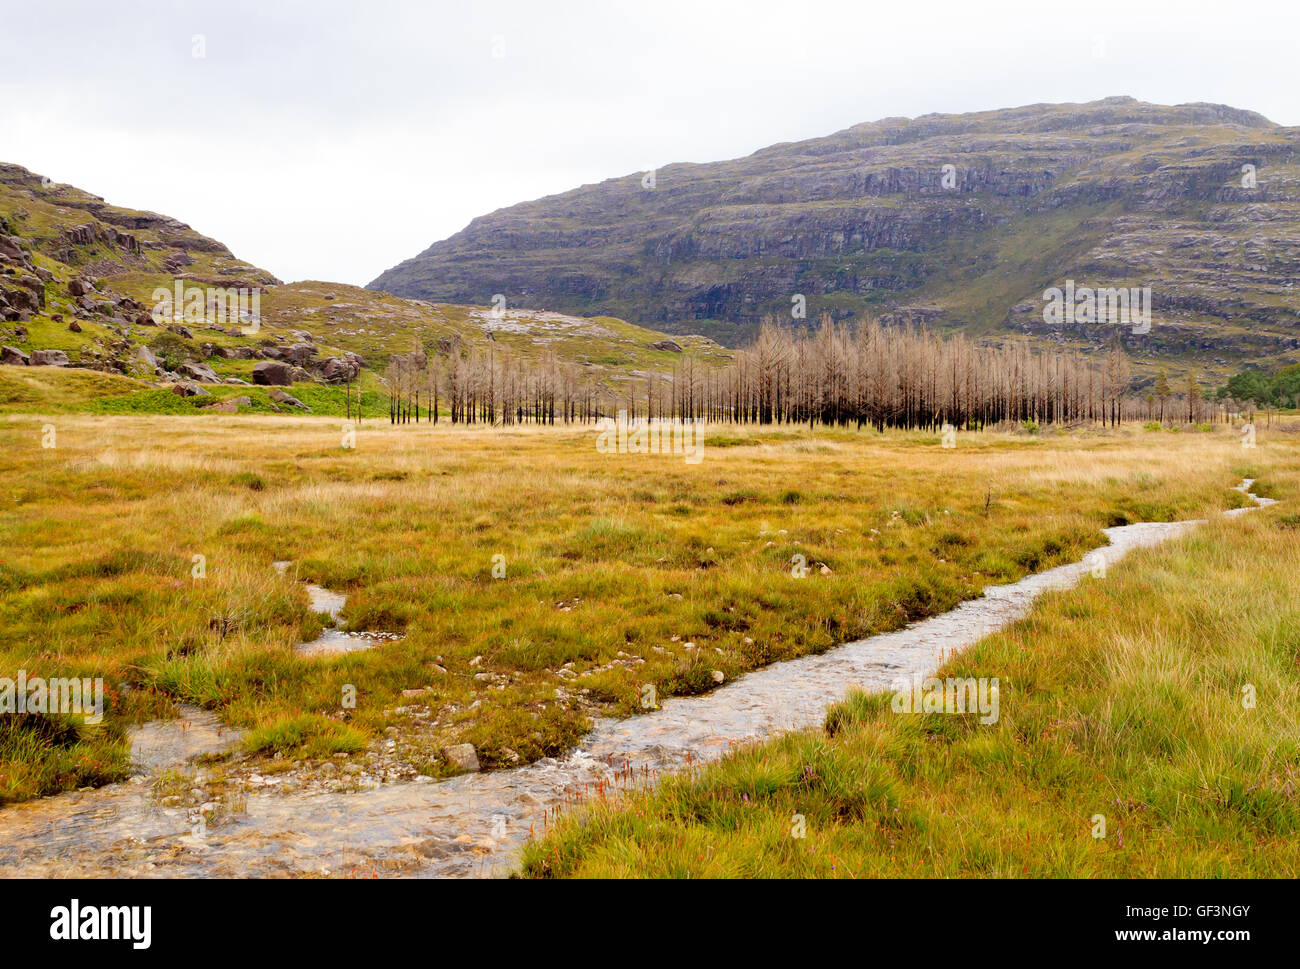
(1278, 389)
(843, 375)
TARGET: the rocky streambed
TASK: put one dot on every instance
(473, 824)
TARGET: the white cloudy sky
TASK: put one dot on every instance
(323, 139)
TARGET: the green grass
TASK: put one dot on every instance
(1122, 698)
(42, 755)
(613, 563)
(308, 735)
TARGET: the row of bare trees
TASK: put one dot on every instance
(867, 374)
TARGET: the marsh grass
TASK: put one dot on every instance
(1121, 698)
(604, 554)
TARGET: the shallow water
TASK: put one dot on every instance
(168, 743)
(333, 640)
(473, 824)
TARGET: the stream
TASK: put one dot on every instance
(473, 824)
(332, 640)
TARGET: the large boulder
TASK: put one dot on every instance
(298, 354)
(34, 286)
(230, 406)
(146, 355)
(200, 372)
(671, 345)
(49, 358)
(280, 397)
(14, 357)
(463, 756)
(11, 250)
(22, 299)
(189, 390)
(272, 373)
(338, 370)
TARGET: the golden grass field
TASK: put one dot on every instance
(1121, 703)
(614, 564)
(1150, 727)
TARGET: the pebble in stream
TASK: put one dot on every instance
(473, 824)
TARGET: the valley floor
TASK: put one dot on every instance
(536, 583)
(1148, 726)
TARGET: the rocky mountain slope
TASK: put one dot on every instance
(79, 282)
(1111, 193)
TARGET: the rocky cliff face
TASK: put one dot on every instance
(959, 220)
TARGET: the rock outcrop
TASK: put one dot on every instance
(49, 358)
(272, 373)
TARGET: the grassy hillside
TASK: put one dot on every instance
(80, 276)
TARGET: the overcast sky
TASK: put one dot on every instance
(331, 140)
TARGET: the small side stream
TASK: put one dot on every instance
(333, 639)
(474, 823)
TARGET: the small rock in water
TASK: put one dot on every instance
(463, 756)
(432, 848)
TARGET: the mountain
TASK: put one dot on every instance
(1110, 193)
(78, 282)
